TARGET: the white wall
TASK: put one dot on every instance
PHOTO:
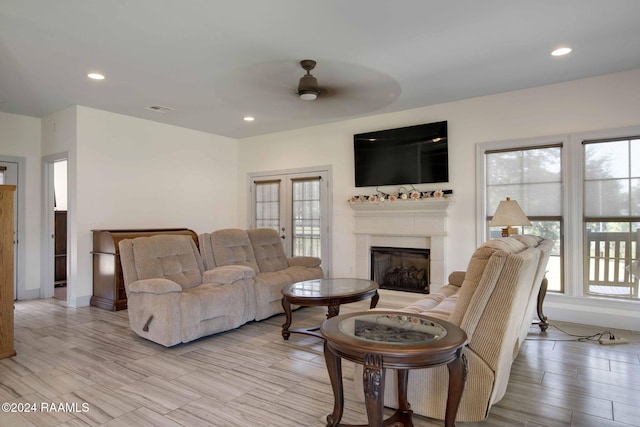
(20, 137)
(608, 101)
(131, 173)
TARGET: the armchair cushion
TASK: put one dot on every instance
(304, 261)
(231, 247)
(154, 286)
(227, 274)
(268, 250)
(456, 278)
(168, 256)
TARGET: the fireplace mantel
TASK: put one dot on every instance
(403, 223)
(424, 206)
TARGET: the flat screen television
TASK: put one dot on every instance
(408, 155)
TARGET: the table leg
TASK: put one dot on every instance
(334, 367)
(374, 300)
(333, 308)
(403, 415)
(287, 323)
(541, 294)
(457, 375)
(373, 382)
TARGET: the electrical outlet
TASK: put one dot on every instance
(607, 341)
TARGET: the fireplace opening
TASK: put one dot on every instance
(400, 269)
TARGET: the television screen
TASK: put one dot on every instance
(408, 155)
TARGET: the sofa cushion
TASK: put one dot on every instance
(233, 247)
(170, 256)
(268, 250)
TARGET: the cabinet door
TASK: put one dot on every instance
(6, 271)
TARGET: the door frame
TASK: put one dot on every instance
(327, 219)
(47, 272)
(19, 210)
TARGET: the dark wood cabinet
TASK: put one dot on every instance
(108, 283)
(60, 244)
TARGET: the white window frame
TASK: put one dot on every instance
(481, 185)
(573, 203)
(577, 200)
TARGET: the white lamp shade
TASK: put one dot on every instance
(508, 214)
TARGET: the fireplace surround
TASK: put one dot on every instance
(417, 224)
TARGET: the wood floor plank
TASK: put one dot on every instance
(252, 377)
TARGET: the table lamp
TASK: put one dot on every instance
(507, 215)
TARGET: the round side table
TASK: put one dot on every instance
(392, 339)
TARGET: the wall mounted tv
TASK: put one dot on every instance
(408, 155)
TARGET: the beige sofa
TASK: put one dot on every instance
(174, 296)
(493, 302)
(261, 251)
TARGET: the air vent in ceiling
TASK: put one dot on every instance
(159, 108)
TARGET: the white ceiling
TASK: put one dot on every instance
(215, 61)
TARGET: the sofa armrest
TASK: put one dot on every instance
(456, 278)
(304, 261)
(228, 274)
(154, 286)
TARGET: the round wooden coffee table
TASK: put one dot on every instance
(392, 339)
(325, 292)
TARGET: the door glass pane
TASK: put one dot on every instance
(268, 204)
(306, 217)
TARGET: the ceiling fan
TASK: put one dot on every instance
(308, 88)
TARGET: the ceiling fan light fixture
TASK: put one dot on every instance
(308, 95)
(308, 85)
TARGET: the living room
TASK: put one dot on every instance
(102, 144)
(131, 172)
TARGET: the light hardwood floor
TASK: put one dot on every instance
(252, 377)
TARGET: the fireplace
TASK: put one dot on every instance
(401, 269)
(403, 224)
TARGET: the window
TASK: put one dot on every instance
(611, 187)
(531, 175)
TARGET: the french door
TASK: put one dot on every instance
(296, 206)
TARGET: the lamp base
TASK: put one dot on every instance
(507, 231)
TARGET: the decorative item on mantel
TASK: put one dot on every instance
(403, 194)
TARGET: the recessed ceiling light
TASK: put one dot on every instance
(249, 119)
(561, 51)
(95, 76)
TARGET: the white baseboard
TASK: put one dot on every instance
(30, 294)
(606, 312)
(79, 301)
